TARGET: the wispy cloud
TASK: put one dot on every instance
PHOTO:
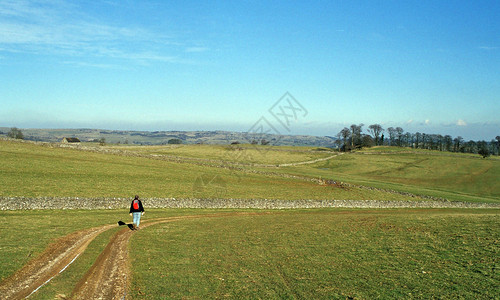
(197, 49)
(93, 65)
(57, 28)
(488, 48)
(461, 122)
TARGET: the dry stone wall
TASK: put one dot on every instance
(25, 203)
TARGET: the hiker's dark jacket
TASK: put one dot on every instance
(132, 210)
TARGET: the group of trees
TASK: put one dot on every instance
(15, 133)
(354, 138)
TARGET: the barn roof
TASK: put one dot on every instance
(72, 140)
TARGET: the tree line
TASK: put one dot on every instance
(354, 138)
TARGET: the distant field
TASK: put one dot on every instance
(457, 176)
(244, 172)
(238, 154)
(36, 171)
(163, 137)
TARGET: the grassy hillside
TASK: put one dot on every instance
(162, 137)
(234, 154)
(464, 177)
(242, 171)
(35, 170)
(329, 253)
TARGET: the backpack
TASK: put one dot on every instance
(136, 204)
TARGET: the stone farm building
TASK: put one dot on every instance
(70, 141)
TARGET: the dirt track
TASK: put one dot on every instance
(107, 279)
(50, 263)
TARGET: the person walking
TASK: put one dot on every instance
(136, 211)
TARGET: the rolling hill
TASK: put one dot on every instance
(162, 137)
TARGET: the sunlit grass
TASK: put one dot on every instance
(240, 153)
(227, 172)
(36, 171)
(453, 176)
(321, 254)
(25, 234)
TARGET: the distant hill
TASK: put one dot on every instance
(162, 137)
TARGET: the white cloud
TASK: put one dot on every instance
(488, 48)
(58, 28)
(409, 121)
(461, 122)
(427, 122)
(93, 65)
(196, 49)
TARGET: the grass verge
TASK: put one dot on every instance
(321, 254)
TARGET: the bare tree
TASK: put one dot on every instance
(483, 150)
(457, 143)
(344, 134)
(399, 134)
(408, 139)
(498, 144)
(418, 138)
(440, 140)
(356, 135)
(376, 130)
(392, 135)
(448, 142)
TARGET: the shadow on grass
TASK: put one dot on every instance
(130, 226)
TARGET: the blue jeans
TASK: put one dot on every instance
(137, 218)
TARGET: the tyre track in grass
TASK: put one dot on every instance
(108, 277)
(54, 260)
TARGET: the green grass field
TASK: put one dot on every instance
(241, 153)
(321, 253)
(36, 171)
(25, 234)
(453, 176)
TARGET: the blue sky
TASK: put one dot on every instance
(427, 66)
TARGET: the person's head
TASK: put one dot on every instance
(136, 197)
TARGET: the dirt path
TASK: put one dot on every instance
(107, 279)
(51, 262)
(308, 162)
